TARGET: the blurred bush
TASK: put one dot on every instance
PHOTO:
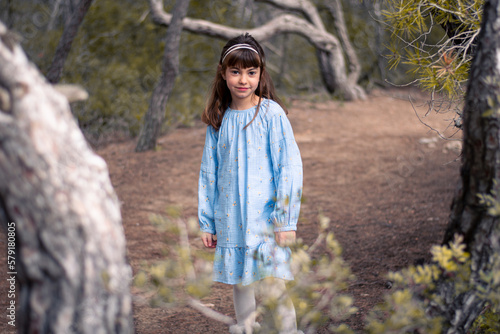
(318, 292)
(185, 276)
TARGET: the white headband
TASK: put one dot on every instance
(236, 47)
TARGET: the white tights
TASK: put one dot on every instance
(244, 306)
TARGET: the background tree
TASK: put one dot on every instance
(64, 46)
(70, 244)
(153, 119)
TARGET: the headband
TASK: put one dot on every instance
(236, 47)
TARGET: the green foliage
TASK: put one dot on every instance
(490, 201)
(488, 286)
(413, 305)
(488, 322)
(492, 281)
(435, 38)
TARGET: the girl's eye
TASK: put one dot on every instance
(235, 72)
(252, 72)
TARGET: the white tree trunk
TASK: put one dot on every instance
(70, 244)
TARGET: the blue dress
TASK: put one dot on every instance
(250, 187)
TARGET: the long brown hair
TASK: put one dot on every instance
(220, 96)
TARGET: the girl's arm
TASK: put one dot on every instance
(285, 238)
(287, 169)
(207, 184)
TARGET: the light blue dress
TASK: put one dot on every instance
(250, 187)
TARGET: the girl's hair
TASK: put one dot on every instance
(220, 96)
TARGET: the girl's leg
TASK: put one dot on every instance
(285, 318)
(244, 306)
(285, 311)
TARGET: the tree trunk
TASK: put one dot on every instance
(335, 8)
(153, 119)
(57, 198)
(480, 172)
(379, 48)
(64, 46)
(332, 59)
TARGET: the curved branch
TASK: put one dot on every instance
(285, 23)
(302, 6)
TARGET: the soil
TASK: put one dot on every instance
(383, 177)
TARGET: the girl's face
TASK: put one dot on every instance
(242, 83)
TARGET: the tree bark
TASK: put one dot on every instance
(64, 46)
(285, 23)
(153, 119)
(480, 171)
(70, 244)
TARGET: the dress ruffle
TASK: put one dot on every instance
(245, 265)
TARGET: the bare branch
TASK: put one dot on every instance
(208, 312)
(427, 125)
(302, 6)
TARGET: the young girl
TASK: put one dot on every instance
(250, 182)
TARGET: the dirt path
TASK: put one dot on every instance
(365, 166)
(386, 190)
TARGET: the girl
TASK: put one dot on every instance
(250, 182)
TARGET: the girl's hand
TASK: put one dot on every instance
(209, 239)
(285, 238)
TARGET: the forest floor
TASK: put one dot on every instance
(384, 179)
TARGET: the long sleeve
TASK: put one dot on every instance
(207, 185)
(287, 170)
